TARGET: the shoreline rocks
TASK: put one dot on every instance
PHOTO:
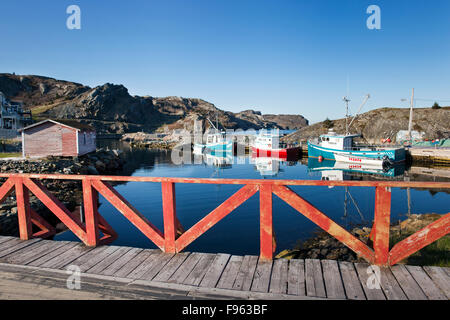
(149, 140)
(69, 192)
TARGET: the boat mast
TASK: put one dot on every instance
(360, 107)
(410, 117)
(346, 100)
(217, 122)
(212, 124)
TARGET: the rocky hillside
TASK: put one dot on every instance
(383, 123)
(111, 109)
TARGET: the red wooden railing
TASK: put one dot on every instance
(174, 238)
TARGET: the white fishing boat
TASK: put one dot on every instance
(341, 147)
(267, 144)
(217, 141)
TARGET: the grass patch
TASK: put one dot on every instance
(10, 154)
(435, 254)
(42, 109)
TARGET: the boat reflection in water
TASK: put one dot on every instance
(271, 166)
(222, 160)
(340, 171)
(267, 166)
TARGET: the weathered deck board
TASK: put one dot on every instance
(353, 288)
(31, 252)
(120, 262)
(66, 257)
(214, 274)
(50, 255)
(390, 286)
(12, 246)
(426, 284)
(440, 279)
(407, 282)
(314, 278)
(230, 273)
(5, 238)
(447, 270)
(195, 277)
(93, 257)
(8, 242)
(108, 260)
(171, 267)
(151, 266)
(215, 270)
(261, 279)
(134, 263)
(332, 278)
(185, 269)
(278, 280)
(244, 278)
(374, 292)
(296, 277)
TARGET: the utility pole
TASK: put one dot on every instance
(411, 116)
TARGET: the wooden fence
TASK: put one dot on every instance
(174, 239)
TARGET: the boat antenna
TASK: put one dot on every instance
(217, 121)
(212, 124)
(360, 107)
(346, 100)
(410, 117)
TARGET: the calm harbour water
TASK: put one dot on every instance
(238, 233)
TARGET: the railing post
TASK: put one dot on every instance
(90, 203)
(23, 210)
(169, 214)
(381, 225)
(266, 226)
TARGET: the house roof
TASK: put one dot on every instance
(68, 123)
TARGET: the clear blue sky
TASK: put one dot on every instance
(274, 56)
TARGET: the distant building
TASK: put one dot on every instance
(12, 117)
(58, 138)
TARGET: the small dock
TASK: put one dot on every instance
(430, 155)
(37, 269)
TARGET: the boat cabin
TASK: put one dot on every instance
(217, 137)
(339, 142)
(268, 140)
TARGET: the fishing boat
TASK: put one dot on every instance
(267, 144)
(217, 141)
(336, 147)
(342, 148)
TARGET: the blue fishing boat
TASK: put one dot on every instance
(342, 148)
(215, 142)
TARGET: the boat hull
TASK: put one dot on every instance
(371, 157)
(276, 153)
(220, 147)
(199, 148)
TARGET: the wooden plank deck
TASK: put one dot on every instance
(146, 273)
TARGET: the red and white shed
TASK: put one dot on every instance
(57, 138)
